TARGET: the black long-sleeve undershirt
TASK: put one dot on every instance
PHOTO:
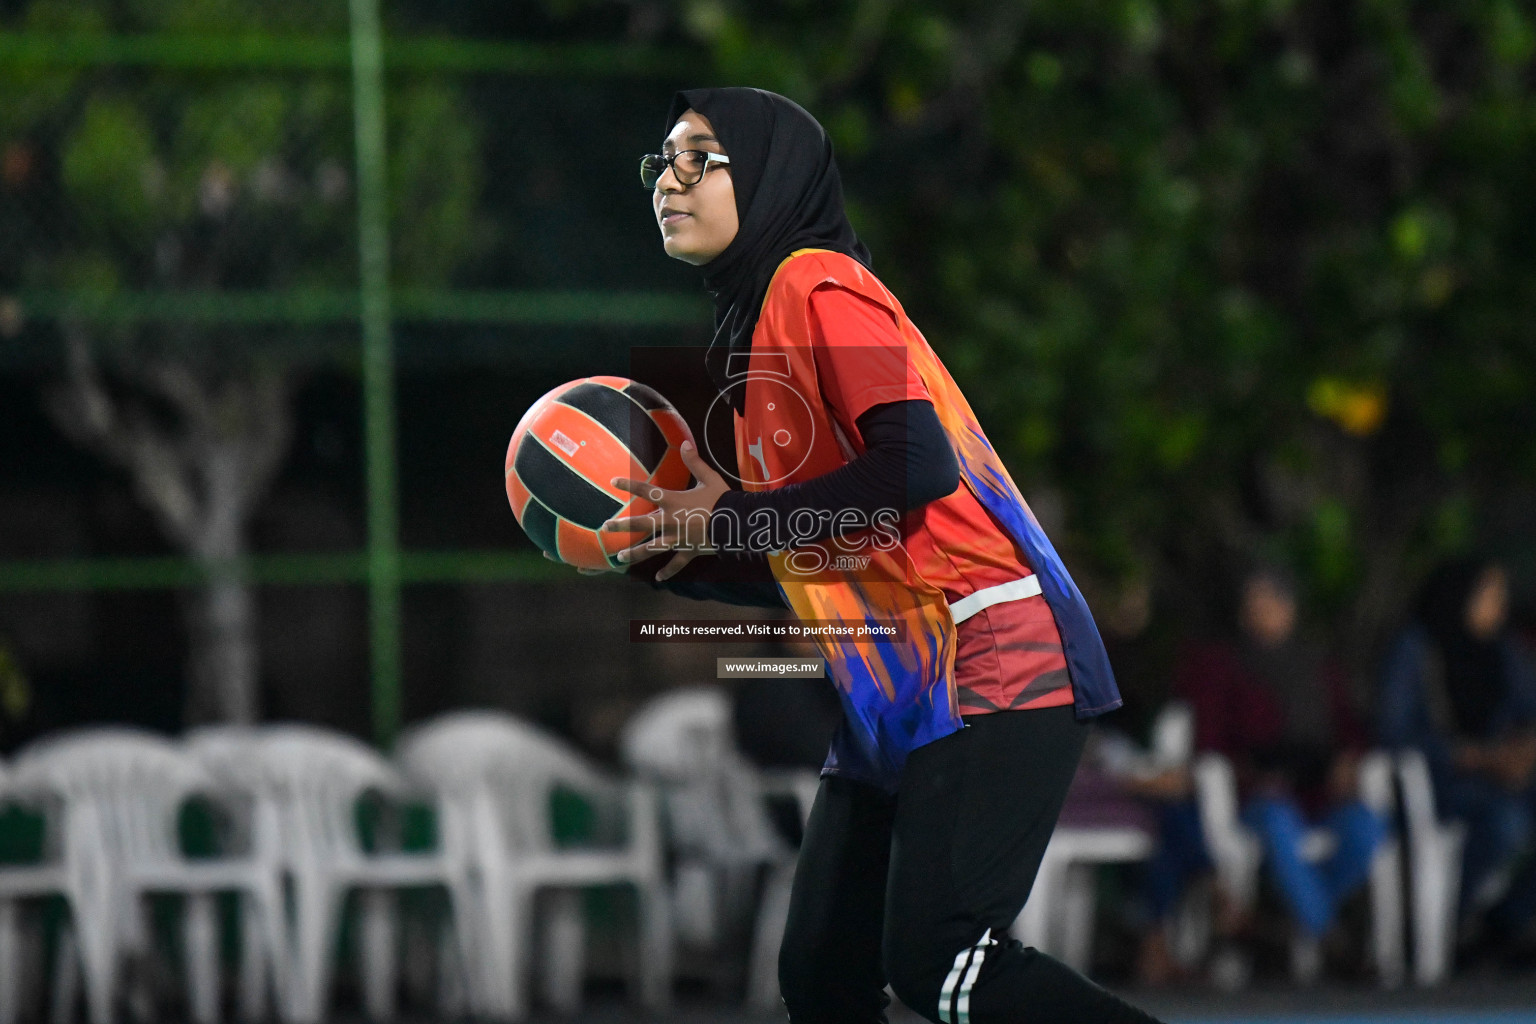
(907, 462)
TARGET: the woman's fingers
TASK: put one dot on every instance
(702, 471)
(647, 522)
(644, 488)
(677, 514)
(651, 546)
(675, 565)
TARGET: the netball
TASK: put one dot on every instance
(567, 449)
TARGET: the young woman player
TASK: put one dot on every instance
(959, 737)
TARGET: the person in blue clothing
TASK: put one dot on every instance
(1457, 686)
(1136, 772)
(1272, 704)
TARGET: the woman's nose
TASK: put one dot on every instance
(668, 181)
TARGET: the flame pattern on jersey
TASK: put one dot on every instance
(896, 696)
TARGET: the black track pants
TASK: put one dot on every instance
(919, 889)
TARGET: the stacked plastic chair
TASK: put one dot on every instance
(65, 874)
(115, 799)
(1059, 915)
(493, 777)
(231, 757)
(307, 784)
(719, 834)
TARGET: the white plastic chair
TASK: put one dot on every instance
(1238, 853)
(76, 867)
(1059, 914)
(1434, 861)
(718, 829)
(313, 780)
(61, 874)
(120, 793)
(493, 777)
(231, 755)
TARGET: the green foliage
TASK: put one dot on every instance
(171, 179)
(435, 165)
(1231, 279)
(104, 163)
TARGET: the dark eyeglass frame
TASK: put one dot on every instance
(650, 162)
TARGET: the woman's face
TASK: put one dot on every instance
(697, 221)
(1268, 612)
(1488, 604)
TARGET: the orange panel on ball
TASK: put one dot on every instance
(672, 473)
(597, 454)
(517, 493)
(580, 546)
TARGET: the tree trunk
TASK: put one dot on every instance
(201, 476)
(221, 615)
(222, 669)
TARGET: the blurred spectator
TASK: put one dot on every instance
(1456, 686)
(1275, 706)
(1522, 625)
(1142, 652)
(1135, 772)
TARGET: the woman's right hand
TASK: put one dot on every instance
(584, 572)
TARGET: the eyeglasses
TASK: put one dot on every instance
(689, 166)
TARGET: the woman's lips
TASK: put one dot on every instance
(670, 217)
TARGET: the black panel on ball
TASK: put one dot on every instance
(626, 420)
(645, 397)
(561, 488)
(540, 525)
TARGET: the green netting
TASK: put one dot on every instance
(265, 189)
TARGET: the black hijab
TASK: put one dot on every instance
(788, 196)
(1474, 666)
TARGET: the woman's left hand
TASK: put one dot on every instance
(681, 520)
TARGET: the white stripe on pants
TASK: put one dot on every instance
(965, 971)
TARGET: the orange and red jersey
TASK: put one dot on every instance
(830, 343)
(1007, 656)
